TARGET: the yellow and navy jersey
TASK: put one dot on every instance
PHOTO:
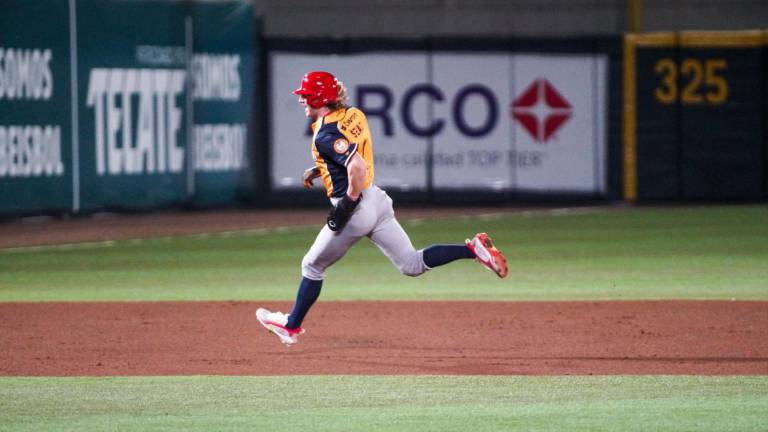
(336, 138)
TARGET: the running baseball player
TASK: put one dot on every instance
(343, 156)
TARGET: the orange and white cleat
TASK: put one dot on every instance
(487, 254)
(275, 322)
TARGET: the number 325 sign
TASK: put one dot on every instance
(692, 81)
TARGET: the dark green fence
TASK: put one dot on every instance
(124, 104)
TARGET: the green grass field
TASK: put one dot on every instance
(369, 403)
(674, 253)
(670, 253)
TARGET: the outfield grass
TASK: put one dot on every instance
(363, 403)
(670, 253)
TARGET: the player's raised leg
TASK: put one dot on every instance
(396, 245)
(392, 239)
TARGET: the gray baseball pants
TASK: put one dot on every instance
(373, 218)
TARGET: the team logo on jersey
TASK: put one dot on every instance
(341, 146)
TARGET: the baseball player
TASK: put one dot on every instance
(343, 154)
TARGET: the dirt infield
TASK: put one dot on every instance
(548, 338)
(446, 338)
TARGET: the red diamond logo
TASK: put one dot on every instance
(541, 109)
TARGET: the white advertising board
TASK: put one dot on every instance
(493, 121)
(559, 116)
(471, 150)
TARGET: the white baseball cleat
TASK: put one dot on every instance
(275, 322)
(487, 254)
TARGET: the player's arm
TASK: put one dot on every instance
(310, 174)
(357, 172)
(356, 175)
(354, 127)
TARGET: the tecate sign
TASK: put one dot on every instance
(496, 122)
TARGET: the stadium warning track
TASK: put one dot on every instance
(383, 338)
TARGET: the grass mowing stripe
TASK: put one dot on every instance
(686, 253)
(392, 403)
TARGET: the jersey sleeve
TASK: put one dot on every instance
(334, 146)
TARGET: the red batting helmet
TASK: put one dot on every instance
(320, 88)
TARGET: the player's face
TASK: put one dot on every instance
(308, 110)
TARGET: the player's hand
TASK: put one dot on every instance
(310, 174)
(340, 215)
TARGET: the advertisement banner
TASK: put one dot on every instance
(35, 112)
(124, 104)
(223, 79)
(133, 134)
(472, 123)
(490, 121)
(560, 122)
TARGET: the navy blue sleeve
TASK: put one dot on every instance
(334, 146)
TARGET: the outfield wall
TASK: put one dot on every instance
(133, 104)
(124, 104)
(696, 116)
